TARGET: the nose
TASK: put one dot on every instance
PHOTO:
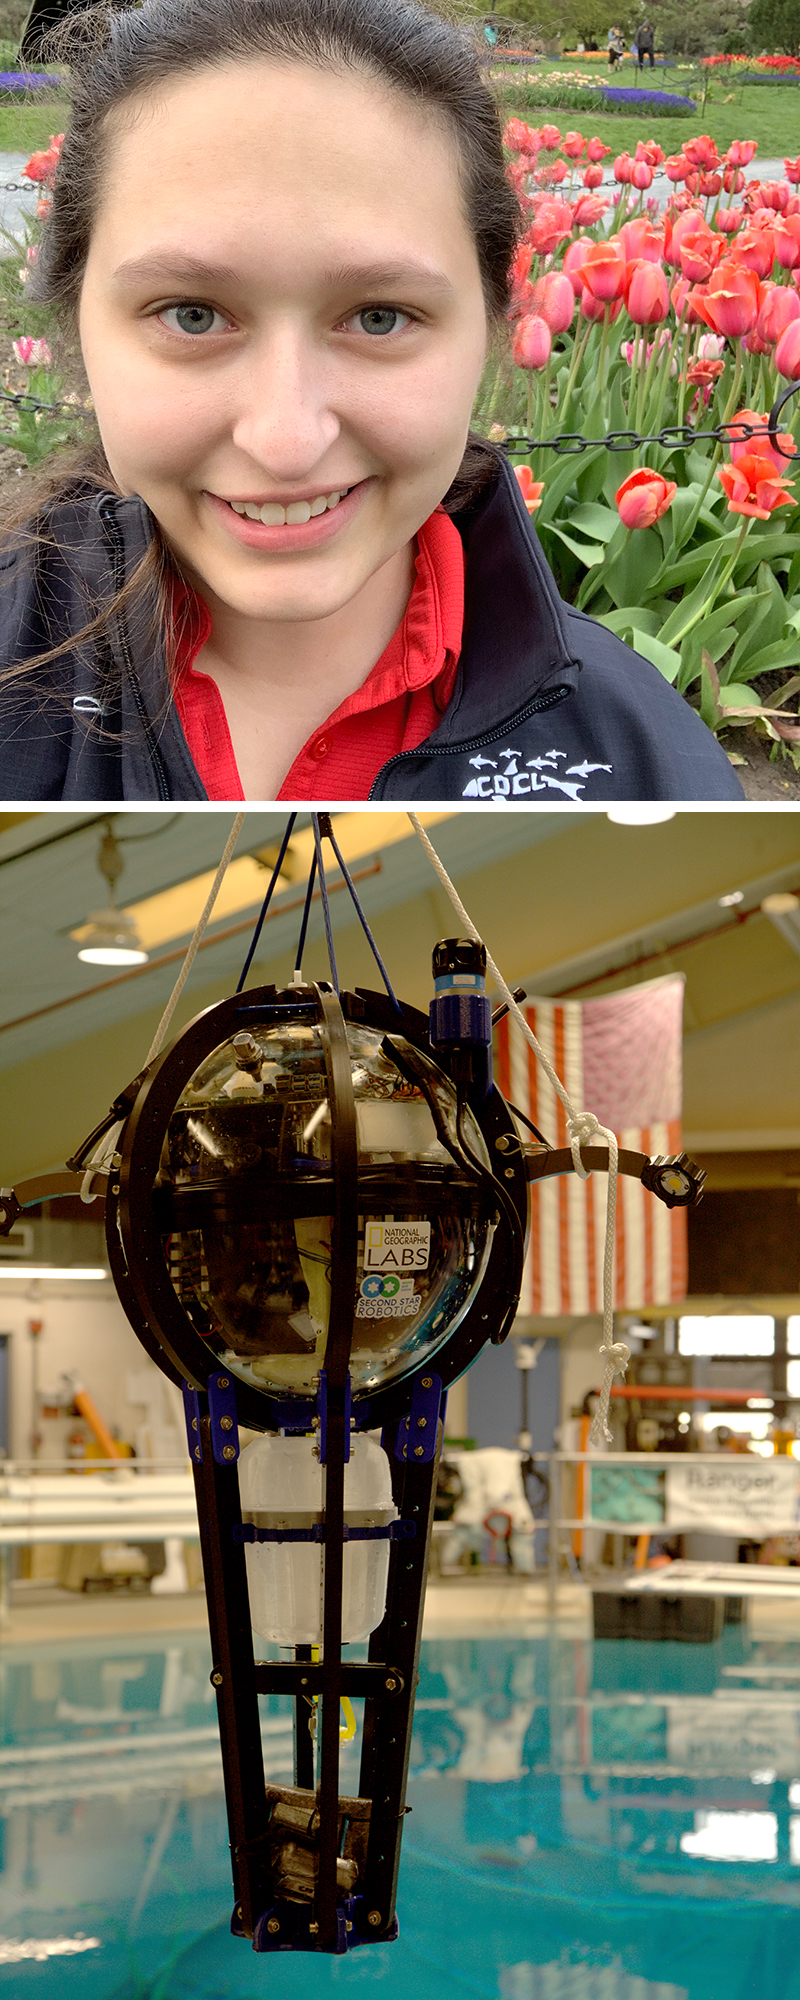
(284, 419)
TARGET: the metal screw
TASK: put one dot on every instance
(115, 1187)
(197, 1451)
(216, 1678)
(374, 1917)
(304, 1680)
(508, 1174)
(223, 1382)
(502, 1143)
(390, 1683)
(419, 1451)
(226, 1423)
(427, 1381)
(194, 1423)
(116, 1161)
(239, 1911)
(229, 1451)
(273, 1925)
(347, 1924)
(313, 1930)
(422, 1423)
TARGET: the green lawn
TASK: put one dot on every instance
(768, 113)
(26, 128)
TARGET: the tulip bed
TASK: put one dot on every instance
(629, 320)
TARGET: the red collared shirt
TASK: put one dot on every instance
(398, 705)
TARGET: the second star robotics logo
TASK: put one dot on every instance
(516, 780)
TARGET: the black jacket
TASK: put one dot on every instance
(547, 705)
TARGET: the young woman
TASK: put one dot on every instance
(281, 231)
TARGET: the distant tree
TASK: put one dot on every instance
(706, 28)
(774, 25)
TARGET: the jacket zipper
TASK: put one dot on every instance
(111, 525)
(543, 701)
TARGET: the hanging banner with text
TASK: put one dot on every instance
(742, 1495)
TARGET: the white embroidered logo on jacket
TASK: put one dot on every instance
(539, 774)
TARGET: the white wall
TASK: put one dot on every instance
(86, 1335)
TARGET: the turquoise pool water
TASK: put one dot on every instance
(590, 1822)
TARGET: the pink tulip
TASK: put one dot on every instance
(32, 353)
(593, 177)
(589, 208)
(792, 168)
(776, 194)
(623, 169)
(604, 270)
(729, 220)
(755, 249)
(779, 308)
(698, 254)
(787, 352)
(573, 145)
(554, 301)
(641, 175)
(596, 151)
(787, 241)
(731, 302)
(532, 342)
(647, 294)
(733, 180)
(676, 167)
(593, 308)
(550, 137)
(573, 262)
(641, 240)
(551, 224)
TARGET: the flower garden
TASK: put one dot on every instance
(627, 320)
(637, 335)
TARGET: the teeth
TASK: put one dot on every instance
(272, 515)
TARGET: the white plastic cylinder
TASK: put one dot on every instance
(281, 1479)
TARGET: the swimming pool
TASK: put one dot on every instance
(591, 1821)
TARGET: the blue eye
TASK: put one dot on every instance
(375, 318)
(192, 317)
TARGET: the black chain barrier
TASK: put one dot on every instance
(673, 437)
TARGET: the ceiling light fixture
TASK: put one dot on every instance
(112, 937)
(57, 1271)
(637, 815)
(783, 911)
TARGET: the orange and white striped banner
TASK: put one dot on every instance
(619, 1056)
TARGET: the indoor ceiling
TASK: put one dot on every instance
(567, 902)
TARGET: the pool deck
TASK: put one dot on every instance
(454, 1608)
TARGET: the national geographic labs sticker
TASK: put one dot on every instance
(402, 1247)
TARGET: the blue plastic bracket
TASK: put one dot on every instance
(224, 1421)
(191, 1404)
(416, 1433)
(322, 1412)
(286, 1927)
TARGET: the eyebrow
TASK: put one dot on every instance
(175, 266)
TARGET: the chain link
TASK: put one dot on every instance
(673, 437)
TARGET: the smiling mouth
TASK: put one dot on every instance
(273, 515)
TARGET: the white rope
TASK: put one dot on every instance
(192, 951)
(582, 1127)
(107, 1145)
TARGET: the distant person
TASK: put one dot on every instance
(645, 43)
(616, 47)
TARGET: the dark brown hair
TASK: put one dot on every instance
(116, 56)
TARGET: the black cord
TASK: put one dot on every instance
(524, 1120)
(301, 942)
(507, 1208)
(266, 903)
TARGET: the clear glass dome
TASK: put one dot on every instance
(247, 1159)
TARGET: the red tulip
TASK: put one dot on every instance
(729, 220)
(551, 138)
(753, 486)
(742, 151)
(684, 298)
(573, 145)
(647, 294)
(642, 174)
(623, 169)
(589, 208)
(643, 497)
(640, 239)
(775, 194)
(604, 270)
(787, 352)
(701, 152)
(755, 249)
(551, 224)
(573, 261)
(792, 169)
(532, 342)
(593, 177)
(731, 301)
(532, 489)
(689, 221)
(779, 307)
(698, 254)
(520, 138)
(594, 308)
(554, 301)
(703, 372)
(596, 151)
(676, 167)
(763, 446)
(787, 241)
(733, 180)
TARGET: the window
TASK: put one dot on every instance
(728, 1333)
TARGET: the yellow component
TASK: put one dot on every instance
(347, 1729)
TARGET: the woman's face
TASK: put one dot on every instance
(282, 300)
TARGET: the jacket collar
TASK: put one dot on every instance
(516, 639)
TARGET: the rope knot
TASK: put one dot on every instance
(582, 1128)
